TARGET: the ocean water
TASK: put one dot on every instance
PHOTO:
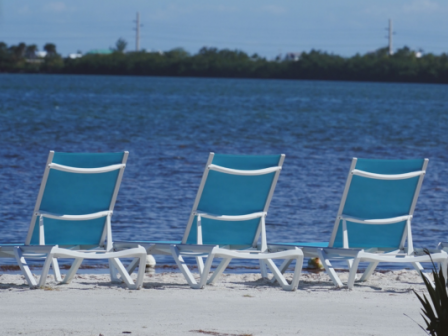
(169, 125)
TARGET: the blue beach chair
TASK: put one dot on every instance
(373, 223)
(72, 217)
(228, 220)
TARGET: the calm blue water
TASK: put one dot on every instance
(169, 125)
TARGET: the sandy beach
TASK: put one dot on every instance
(239, 304)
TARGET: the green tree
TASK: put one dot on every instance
(50, 48)
(18, 51)
(30, 51)
(177, 53)
(120, 45)
(53, 61)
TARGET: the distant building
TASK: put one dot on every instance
(160, 52)
(41, 54)
(292, 56)
(75, 55)
(418, 54)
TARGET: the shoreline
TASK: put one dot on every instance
(14, 269)
(237, 305)
(315, 80)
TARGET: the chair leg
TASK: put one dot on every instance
(349, 263)
(297, 272)
(281, 279)
(183, 267)
(200, 263)
(45, 269)
(206, 270)
(133, 265)
(124, 274)
(56, 270)
(141, 272)
(263, 269)
(419, 268)
(329, 268)
(113, 273)
(285, 264)
(219, 270)
(369, 271)
(352, 274)
(283, 267)
(72, 271)
(24, 267)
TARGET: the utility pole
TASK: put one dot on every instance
(137, 33)
(391, 52)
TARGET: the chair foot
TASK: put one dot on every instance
(369, 271)
(183, 266)
(72, 271)
(24, 268)
(45, 269)
(329, 268)
(352, 274)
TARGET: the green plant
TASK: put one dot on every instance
(436, 311)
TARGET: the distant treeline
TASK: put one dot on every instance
(404, 66)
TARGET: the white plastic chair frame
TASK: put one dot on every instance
(256, 252)
(355, 255)
(51, 253)
(211, 252)
(199, 251)
(403, 254)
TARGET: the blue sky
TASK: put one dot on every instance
(343, 27)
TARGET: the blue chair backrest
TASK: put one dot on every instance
(233, 195)
(77, 194)
(379, 199)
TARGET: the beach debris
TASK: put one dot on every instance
(48, 288)
(315, 263)
(150, 264)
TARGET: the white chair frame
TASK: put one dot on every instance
(104, 250)
(354, 256)
(227, 253)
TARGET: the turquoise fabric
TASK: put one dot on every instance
(225, 233)
(368, 236)
(378, 199)
(233, 195)
(317, 244)
(170, 242)
(77, 194)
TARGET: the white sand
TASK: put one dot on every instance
(237, 305)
